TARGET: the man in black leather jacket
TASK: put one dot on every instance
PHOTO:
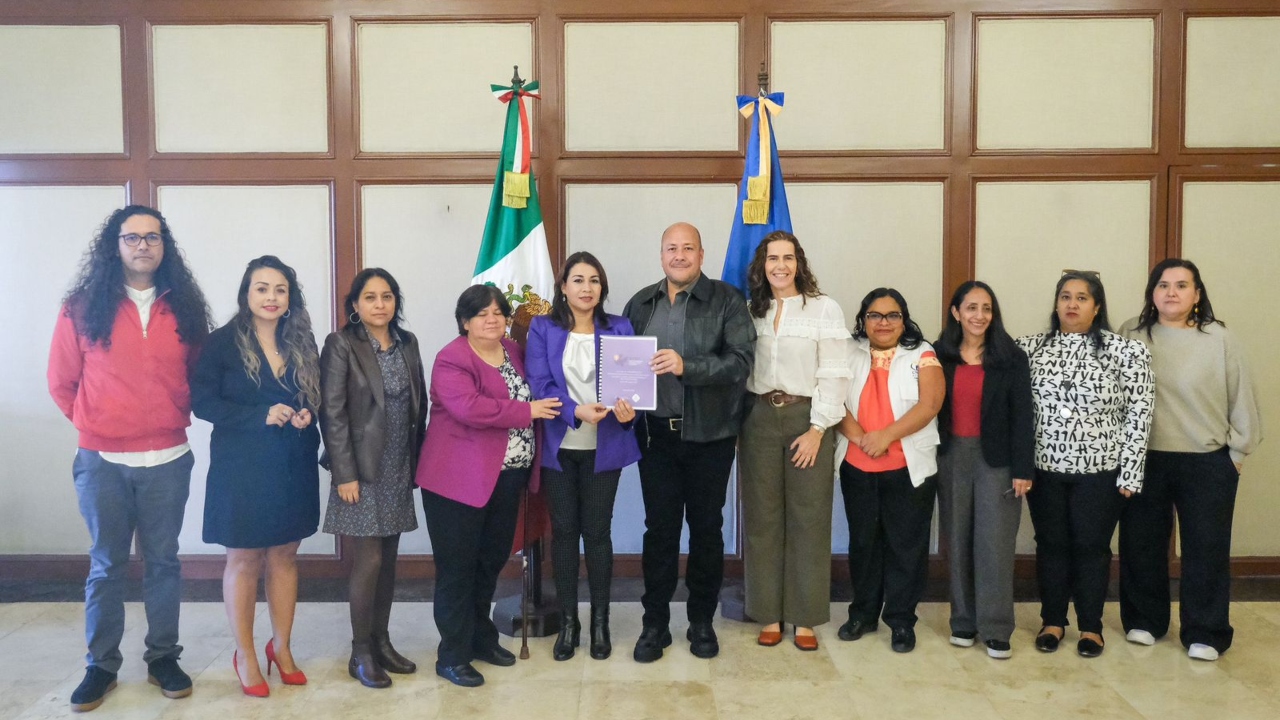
(706, 347)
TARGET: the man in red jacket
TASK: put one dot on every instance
(125, 339)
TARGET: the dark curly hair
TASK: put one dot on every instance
(759, 291)
(294, 339)
(1201, 313)
(912, 335)
(94, 298)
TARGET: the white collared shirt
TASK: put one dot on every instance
(808, 355)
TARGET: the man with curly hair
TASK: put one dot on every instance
(124, 343)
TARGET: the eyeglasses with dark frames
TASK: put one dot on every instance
(134, 239)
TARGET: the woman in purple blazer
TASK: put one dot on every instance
(481, 450)
(585, 448)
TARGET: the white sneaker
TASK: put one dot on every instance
(964, 640)
(1200, 651)
(1141, 637)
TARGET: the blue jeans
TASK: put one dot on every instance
(117, 500)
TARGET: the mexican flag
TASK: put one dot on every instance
(513, 252)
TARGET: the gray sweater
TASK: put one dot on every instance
(1205, 398)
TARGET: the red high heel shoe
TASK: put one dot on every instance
(289, 678)
(260, 690)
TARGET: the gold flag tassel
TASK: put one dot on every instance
(515, 189)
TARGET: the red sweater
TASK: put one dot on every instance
(132, 397)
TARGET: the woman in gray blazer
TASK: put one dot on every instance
(372, 412)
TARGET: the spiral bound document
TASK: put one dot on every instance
(624, 371)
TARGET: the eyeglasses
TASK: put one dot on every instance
(134, 239)
(1086, 273)
(875, 317)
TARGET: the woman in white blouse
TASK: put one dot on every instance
(799, 381)
(1092, 395)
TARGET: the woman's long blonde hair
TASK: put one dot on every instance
(294, 339)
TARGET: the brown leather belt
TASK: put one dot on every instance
(778, 399)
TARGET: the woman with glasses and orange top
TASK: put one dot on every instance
(888, 476)
(1092, 397)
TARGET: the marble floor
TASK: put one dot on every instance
(41, 645)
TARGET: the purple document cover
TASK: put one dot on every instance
(624, 370)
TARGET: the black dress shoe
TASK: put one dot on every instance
(1047, 642)
(702, 640)
(89, 694)
(464, 674)
(903, 640)
(569, 638)
(1089, 648)
(601, 645)
(854, 629)
(649, 646)
(495, 655)
(390, 660)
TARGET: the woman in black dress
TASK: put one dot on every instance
(258, 382)
(372, 416)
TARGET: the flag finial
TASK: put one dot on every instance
(516, 81)
(763, 79)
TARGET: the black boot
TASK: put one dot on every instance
(364, 668)
(568, 638)
(601, 646)
(387, 657)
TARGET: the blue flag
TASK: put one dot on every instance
(762, 199)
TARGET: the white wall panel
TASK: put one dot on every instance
(60, 89)
(424, 87)
(1069, 83)
(222, 228)
(241, 88)
(427, 237)
(1233, 89)
(40, 513)
(651, 86)
(1229, 231)
(860, 85)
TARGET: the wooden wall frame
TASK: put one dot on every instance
(959, 166)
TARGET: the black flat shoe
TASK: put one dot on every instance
(1047, 642)
(1089, 648)
(649, 646)
(854, 629)
(365, 669)
(384, 653)
(495, 655)
(463, 675)
(903, 640)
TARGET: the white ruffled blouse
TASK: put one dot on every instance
(808, 355)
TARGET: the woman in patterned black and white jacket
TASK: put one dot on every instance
(1093, 394)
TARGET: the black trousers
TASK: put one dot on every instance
(470, 545)
(1202, 487)
(1074, 516)
(580, 502)
(889, 522)
(680, 480)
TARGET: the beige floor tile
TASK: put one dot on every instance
(950, 696)
(785, 699)
(647, 701)
(501, 697)
(1072, 694)
(742, 659)
(1176, 700)
(17, 695)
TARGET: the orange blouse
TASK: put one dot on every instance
(875, 412)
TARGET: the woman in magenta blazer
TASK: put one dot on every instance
(585, 448)
(481, 450)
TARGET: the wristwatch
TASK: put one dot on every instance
(821, 430)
